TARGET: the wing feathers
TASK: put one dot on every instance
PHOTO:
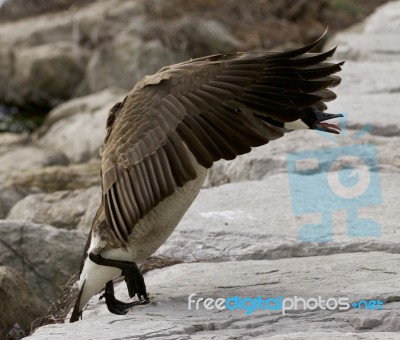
(220, 93)
(209, 108)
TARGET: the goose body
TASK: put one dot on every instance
(170, 129)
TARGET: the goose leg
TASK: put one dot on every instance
(113, 304)
(134, 281)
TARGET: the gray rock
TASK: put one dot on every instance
(376, 110)
(61, 209)
(135, 59)
(377, 39)
(23, 158)
(80, 136)
(365, 322)
(45, 256)
(197, 37)
(89, 103)
(19, 305)
(248, 234)
(372, 46)
(168, 316)
(143, 49)
(54, 178)
(382, 78)
(385, 19)
(334, 335)
(17, 9)
(10, 141)
(11, 194)
(256, 220)
(103, 44)
(273, 157)
(46, 58)
(10, 138)
(41, 31)
(78, 127)
(45, 74)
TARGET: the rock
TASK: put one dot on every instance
(385, 19)
(103, 44)
(22, 158)
(146, 47)
(61, 209)
(382, 78)
(365, 322)
(11, 10)
(37, 53)
(169, 317)
(196, 37)
(45, 256)
(54, 178)
(206, 36)
(79, 137)
(55, 68)
(375, 110)
(79, 105)
(333, 336)
(273, 157)
(11, 194)
(290, 227)
(10, 138)
(268, 219)
(371, 46)
(80, 134)
(375, 40)
(19, 305)
(135, 59)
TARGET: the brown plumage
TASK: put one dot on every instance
(209, 106)
(189, 115)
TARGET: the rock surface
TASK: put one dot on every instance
(53, 178)
(81, 131)
(45, 256)
(10, 195)
(19, 305)
(79, 105)
(249, 232)
(168, 315)
(61, 209)
(273, 157)
(72, 53)
(256, 220)
(20, 158)
(376, 39)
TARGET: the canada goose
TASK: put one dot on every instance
(170, 129)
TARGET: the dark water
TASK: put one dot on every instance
(15, 119)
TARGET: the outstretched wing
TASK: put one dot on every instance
(213, 107)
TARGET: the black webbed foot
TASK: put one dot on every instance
(116, 306)
(134, 281)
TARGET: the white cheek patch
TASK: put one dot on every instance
(296, 125)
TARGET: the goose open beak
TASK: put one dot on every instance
(327, 127)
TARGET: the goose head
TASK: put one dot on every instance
(315, 120)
